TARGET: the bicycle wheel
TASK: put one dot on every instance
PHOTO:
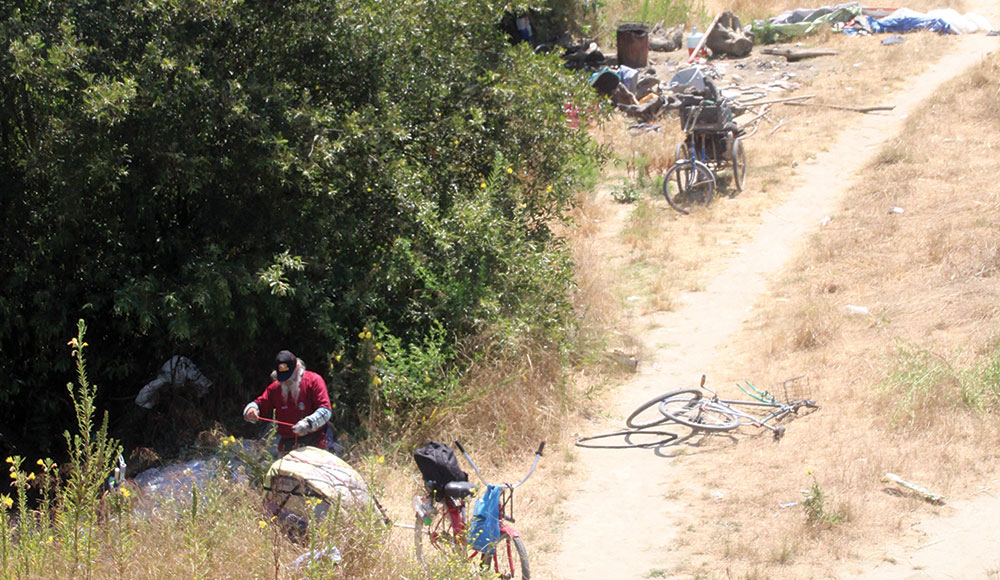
(688, 183)
(698, 413)
(738, 154)
(633, 420)
(510, 559)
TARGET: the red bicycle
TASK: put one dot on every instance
(441, 522)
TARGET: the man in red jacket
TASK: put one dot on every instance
(298, 399)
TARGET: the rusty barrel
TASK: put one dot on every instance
(633, 45)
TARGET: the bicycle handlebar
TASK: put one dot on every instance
(538, 455)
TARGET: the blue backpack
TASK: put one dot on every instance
(484, 532)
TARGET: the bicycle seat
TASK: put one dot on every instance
(459, 489)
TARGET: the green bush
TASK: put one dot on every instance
(224, 180)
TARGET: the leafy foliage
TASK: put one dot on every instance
(225, 179)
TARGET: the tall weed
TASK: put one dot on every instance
(92, 455)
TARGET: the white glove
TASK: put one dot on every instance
(301, 428)
(251, 413)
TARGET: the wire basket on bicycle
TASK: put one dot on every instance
(796, 389)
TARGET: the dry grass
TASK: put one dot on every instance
(927, 278)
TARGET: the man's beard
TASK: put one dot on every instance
(290, 388)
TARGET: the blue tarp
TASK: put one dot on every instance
(906, 20)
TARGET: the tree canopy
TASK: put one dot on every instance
(365, 183)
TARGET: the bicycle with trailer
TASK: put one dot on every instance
(441, 519)
(701, 412)
(713, 141)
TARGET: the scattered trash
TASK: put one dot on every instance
(927, 494)
(893, 40)
(895, 209)
(644, 127)
(329, 554)
(824, 222)
(717, 495)
(851, 308)
(854, 19)
(788, 504)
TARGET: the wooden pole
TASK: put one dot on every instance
(846, 108)
(792, 55)
(784, 100)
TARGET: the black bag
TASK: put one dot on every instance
(438, 466)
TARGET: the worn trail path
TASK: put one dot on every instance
(622, 520)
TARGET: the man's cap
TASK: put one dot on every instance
(284, 365)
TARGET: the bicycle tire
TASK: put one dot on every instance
(662, 438)
(509, 558)
(738, 154)
(693, 186)
(632, 421)
(698, 414)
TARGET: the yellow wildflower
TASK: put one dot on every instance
(548, 189)
(126, 492)
(10, 459)
(809, 471)
(483, 185)
(31, 476)
(381, 459)
(6, 501)
(509, 170)
(368, 335)
(262, 524)
(40, 462)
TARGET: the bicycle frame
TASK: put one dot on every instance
(449, 526)
(717, 414)
(450, 523)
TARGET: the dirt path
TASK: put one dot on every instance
(623, 515)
